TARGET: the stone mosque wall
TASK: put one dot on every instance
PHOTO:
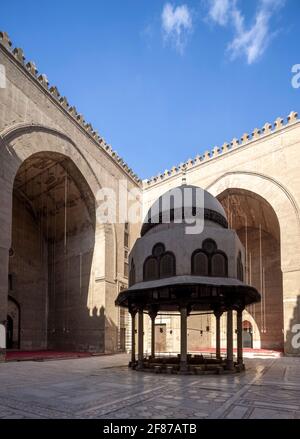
(29, 278)
(36, 120)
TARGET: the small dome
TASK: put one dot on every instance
(212, 203)
(213, 209)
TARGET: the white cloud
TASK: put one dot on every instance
(176, 24)
(250, 42)
(219, 11)
(253, 42)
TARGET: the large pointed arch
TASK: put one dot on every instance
(287, 211)
(20, 143)
(281, 200)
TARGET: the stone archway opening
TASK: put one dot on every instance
(258, 228)
(53, 238)
(13, 324)
(247, 334)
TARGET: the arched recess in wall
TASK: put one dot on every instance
(35, 147)
(13, 324)
(281, 201)
(259, 227)
(255, 330)
(20, 141)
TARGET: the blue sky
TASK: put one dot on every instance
(164, 81)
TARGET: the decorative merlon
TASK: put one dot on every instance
(267, 128)
(279, 123)
(234, 143)
(31, 67)
(19, 55)
(225, 148)
(54, 91)
(216, 152)
(64, 102)
(292, 117)
(42, 79)
(256, 134)
(245, 138)
(5, 41)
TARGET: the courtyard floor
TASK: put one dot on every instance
(103, 387)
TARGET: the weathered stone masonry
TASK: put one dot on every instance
(40, 131)
(64, 270)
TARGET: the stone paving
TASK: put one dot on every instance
(103, 387)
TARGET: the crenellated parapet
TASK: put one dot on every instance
(216, 152)
(53, 91)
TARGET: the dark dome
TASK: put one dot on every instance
(213, 209)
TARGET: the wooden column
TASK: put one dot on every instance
(218, 315)
(133, 314)
(152, 315)
(183, 339)
(229, 361)
(240, 336)
(141, 338)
